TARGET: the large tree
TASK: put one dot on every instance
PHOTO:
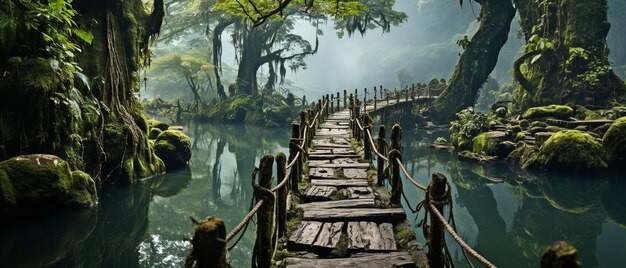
(477, 61)
(566, 58)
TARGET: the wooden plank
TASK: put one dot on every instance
(353, 173)
(312, 152)
(306, 233)
(346, 165)
(331, 156)
(353, 214)
(367, 260)
(320, 192)
(317, 162)
(320, 172)
(331, 145)
(345, 160)
(340, 183)
(350, 203)
(329, 235)
(343, 151)
(386, 232)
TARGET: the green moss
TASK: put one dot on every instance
(614, 143)
(516, 129)
(538, 124)
(154, 133)
(174, 148)
(33, 183)
(254, 118)
(524, 156)
(341, 250)
(157, 124)
(583, 113)
(520, 136)
(572, 151)
(404, 235)
(553, 111)
(524, 124)
(554, 128)
(487, 142)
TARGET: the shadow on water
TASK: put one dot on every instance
(145, 225)
(511, 216)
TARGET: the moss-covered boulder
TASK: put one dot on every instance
(552, 111)
(174, 148)
(153, 123)
(487, 142)
(572, 150)
(36, 183)
(614, 143)
(524, 156)
(154, 133)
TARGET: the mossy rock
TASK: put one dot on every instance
(614, 143)
(572, 151)
(158, 124)
(524, 156)
(487, 142)
(38, 182)
(552, 111)
(583, 113)
(524, 124)
(154, 133)
(538, 124)
(174, 148)
(554, 128)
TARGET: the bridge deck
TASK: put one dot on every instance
(342, 209)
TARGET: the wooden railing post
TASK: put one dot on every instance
(345, 99)
(397, 95)
(406, 94)
(294, 176)
(263, 246)
(364, 100)
(328, 104)
(375, 99)
(381, 92)
(281, 195)
(208, 245)
(357, 116)
(367, 146)
(338, 97)
(387, 98)
(382, 146)
(332, 103)
(395, 152)
(352, 123)
(356, 93)
(437, 190)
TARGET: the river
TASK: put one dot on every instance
(506, 215)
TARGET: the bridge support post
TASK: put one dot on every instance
(281, 195)
(387, 98)
(436, 191)
(263, 247)
(382, 150)
(381, 92)
(367, 147)
(294, 176)
(395, 152)
(345, 99)
(352, 123)
(365, 100)
(208, 245)
(338, 97)
(357, 116)
(375, 93)
(397, 96)
(332, 103)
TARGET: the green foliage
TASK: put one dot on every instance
(256, 9)
(538, 43)
(441, 140)
(466, 127)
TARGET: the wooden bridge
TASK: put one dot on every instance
(330, 207)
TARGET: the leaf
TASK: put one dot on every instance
(535, 58)
(83, 35)
(54, 64)
(83, 78)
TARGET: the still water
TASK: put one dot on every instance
(507, 216)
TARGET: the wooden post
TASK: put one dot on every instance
(338, 97)
(437, 190)
(295, 169)
(406, 94)
(365, 100)
(367, 146)
(387, 97)
(375, 99)
(263, 246)
(560, 254)
(281, 195)
(356, 93)
(352, 124)
(328, 104)
(382, 146)
(345, 99)
(332, 103)
(397, 95)
(208, 246)
(395, 152)
(357, 116)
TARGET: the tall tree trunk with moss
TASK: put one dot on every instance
(566, 58)
(477, 61)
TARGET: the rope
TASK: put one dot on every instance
(245, 220)
(406, 173)
(374, 149)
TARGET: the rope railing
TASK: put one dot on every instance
(367, 138)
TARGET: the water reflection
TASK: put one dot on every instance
(511, 216)
(145, 225)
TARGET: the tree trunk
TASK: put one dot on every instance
(477, 61)
(577, 69)
(217, 55)
(250, 62)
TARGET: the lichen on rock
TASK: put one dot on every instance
(552, 111)
(571, 150)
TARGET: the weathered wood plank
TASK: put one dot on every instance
(354, 173)
(346, 165)
(320, 192)
(312, 152)
(306, 233)
(323, 173)
(353, 214)
(349, 203)
(367, 260)
(340, 183)
(329, 235)
(343, 159)
(386, 232)
(331, 145)
(311, 163)
(331, 156)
